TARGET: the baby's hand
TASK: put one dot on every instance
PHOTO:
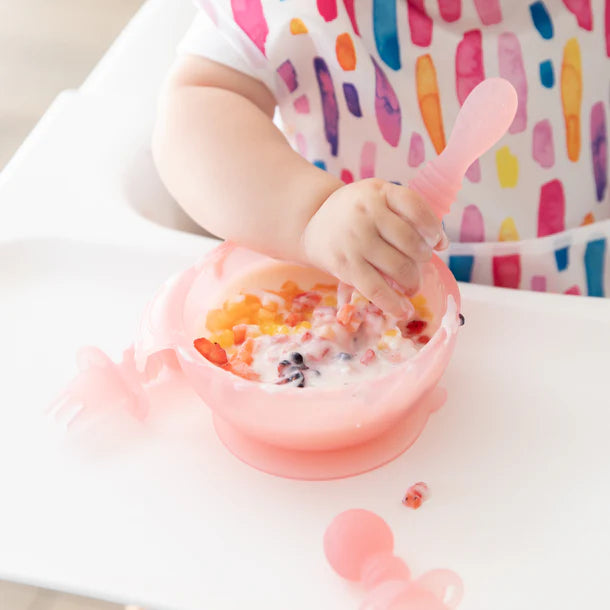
(372, 228)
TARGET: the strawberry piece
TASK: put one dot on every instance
(307, 336)
(294, 318)
(412, 328)
(423, 339)
(244, 353)
(368, 357)
(306, 302)
(241, 369)
(239, 333)
(211, 351)
(416, 495)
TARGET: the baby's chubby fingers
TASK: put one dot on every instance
(395, 265)
(403, 236)
(413, 209)
(371, 284)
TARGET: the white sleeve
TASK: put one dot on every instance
(226, 44)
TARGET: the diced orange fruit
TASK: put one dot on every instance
(330, 300)
(325, 287)
(239, 333)
(345, 314)
(347, 317)
(224, 338)
(217, 319)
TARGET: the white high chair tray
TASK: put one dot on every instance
(160, 513)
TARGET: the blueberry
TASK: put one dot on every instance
(296, 358)
(344, 356)
(462, 320)
(298, 378)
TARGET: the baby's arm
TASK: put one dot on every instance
(232, 170)
(228, 165)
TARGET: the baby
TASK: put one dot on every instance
(367, 90)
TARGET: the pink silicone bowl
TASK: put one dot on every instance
(343, 430)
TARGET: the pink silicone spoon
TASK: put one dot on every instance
(484, 118)
(359, 546)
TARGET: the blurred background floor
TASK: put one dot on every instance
(15, 596)
(47, 46)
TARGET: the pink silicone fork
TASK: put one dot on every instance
(483, 119)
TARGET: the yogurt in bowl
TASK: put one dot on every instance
(305, 398)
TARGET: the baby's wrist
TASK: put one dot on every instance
(321, 193)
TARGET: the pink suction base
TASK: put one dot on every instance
(336, 464)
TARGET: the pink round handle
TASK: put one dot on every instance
(484, 118)
(352, 538)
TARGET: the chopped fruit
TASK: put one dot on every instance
(368, 357)
(224, 338)
(272, 306)
(294, 318)
(281, 367)
(306, 301)
(239, 333)
(344, 315)
(416, 495)
(348, 317)
(419, 302)
(412, 328)
(211, 351)
(296, 358)
(217, 320)
(241, 369)
(265, 316)
(292, 329)
(325, 287)
(298, 378)
(294, 376)
(327, 332)
(245, 351)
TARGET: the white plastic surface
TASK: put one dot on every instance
(517, 461)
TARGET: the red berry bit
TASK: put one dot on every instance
(423, 339)
(412, 328)
(211, 351)
(416, 495)
(368, 357)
